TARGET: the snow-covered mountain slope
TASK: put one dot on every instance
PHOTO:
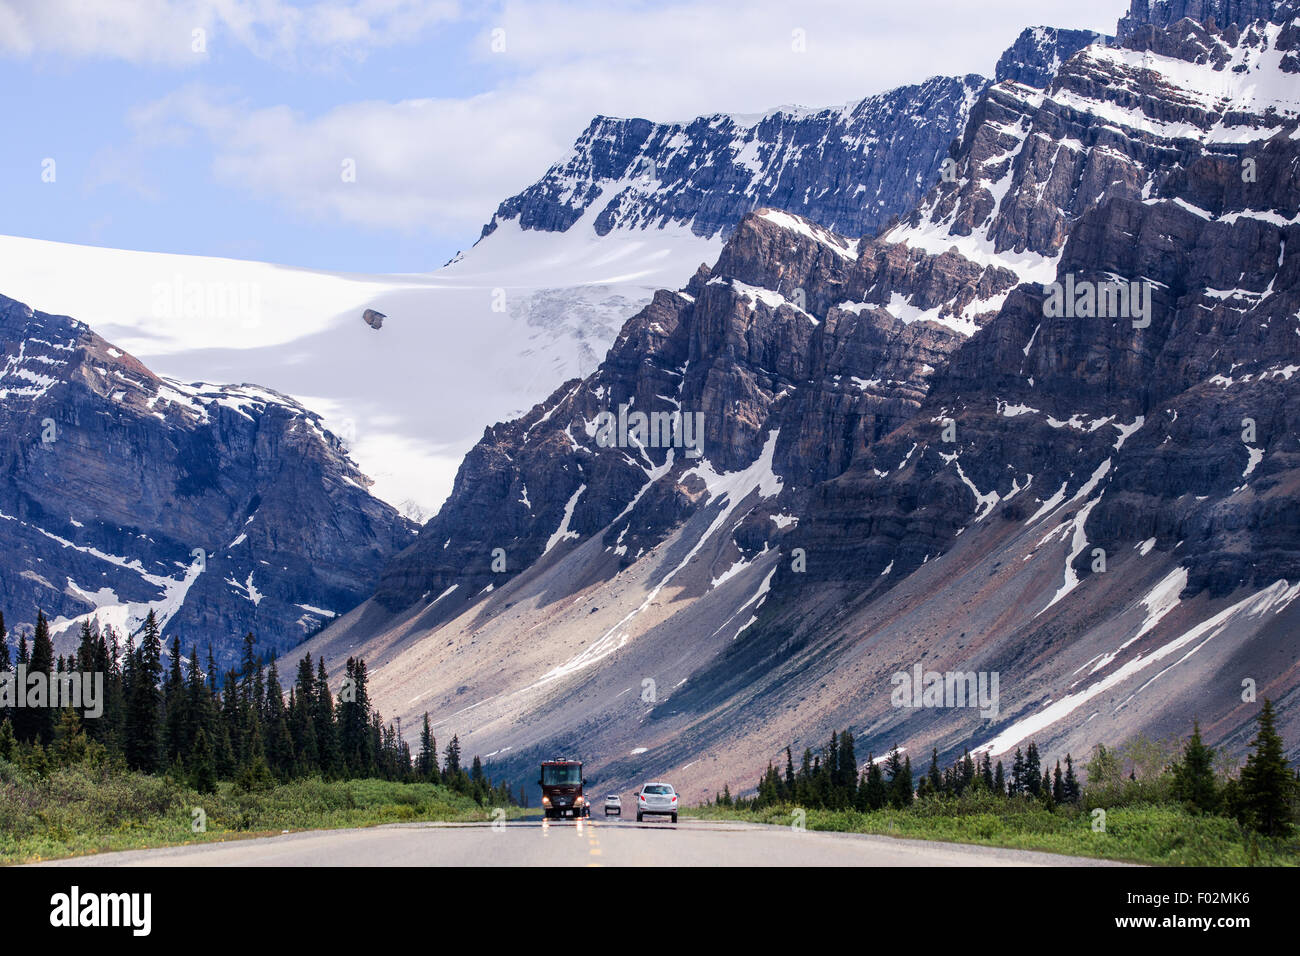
(476, 342)
(850, 168)
(223, 509)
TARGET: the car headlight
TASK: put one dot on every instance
(579, 801)
(546, 801)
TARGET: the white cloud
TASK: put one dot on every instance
(162, 31)
(433, 165)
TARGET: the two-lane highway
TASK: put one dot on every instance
(594, 842)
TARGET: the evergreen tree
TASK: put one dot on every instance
(38, 722)
(999, 781)
(302, 702)
(255, 774)
(327, 740)
(142, 718)
(1058, 785)
(1073, 792)
(848, 771)
(966, 772)
(873, 794)
(199, 703)
(1032, 770)
(933, 777)
(900, 779)
(5, 667)
(203, 774)
(8, 742)
(986, 772)
(1017, 774)
(788, 792)
(1267, 785)
(1193, 775)
(426, 763)
(176, 706)
(451, 759)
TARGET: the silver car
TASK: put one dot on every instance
(656, 800)
(614, 805)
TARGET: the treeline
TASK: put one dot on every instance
(1262, 796)
(193, 724)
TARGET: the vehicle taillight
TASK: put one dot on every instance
(674, 798)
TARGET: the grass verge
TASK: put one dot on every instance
(80, 810)
(1159, 834)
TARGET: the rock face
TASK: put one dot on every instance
(1039, 52)
(1162, 14)
(850, 169)
(788, 334)
(909, 456)
(225, 509)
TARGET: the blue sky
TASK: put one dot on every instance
(442, 108)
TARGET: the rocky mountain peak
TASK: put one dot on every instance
(223, 508)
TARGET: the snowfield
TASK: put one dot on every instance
(478, 341)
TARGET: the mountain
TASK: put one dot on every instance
(558, 271)
(225, 509)
(850, 169)
(634, 207)
(1039, 52)
(909, 457)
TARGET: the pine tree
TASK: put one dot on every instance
(1073, 792)
(1018, 774)
(279, 744)
(933, 777)
(1194, 782)
(1033, 777)
(1058, 785)
(302, 700)
(451, 759)
(1266, 782)
(426, 763)
(900, 779)
(874, 794)
(999, 781)
(39, 721)
(327, 740)
(176, 706)
(5, 665)
(848, 771)
(986, 771)
(8, 742)
(142, 718)
(70, 745)
(255, 774)
(203, 774)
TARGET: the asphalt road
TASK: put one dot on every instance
(594, 842)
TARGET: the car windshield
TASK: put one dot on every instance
(612, 796)
(561, 775)
(658, 788)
